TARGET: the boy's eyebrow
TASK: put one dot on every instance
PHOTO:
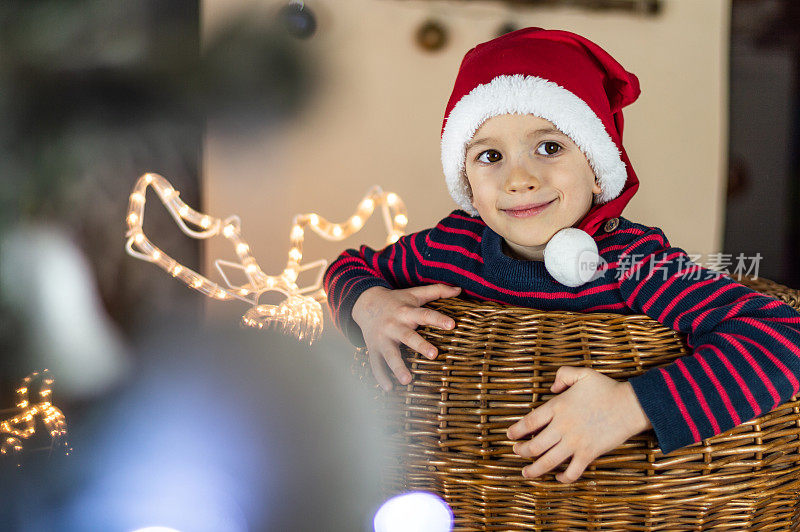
(540, 131)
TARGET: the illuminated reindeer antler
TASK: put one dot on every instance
(301, 312)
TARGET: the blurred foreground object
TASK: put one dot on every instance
(48, 284)
(98, 89)
(219, 430)
(298, 314)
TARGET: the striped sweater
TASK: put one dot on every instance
(746, 345)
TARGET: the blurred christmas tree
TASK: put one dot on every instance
(94, 93)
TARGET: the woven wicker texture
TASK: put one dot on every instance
(448, 430)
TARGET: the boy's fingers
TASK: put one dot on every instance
(430, 292)
(530, 422)
(395, 362)
(416, 342)
(379, 372)
(428, 316)
(574, 471)
(538, 444)
(548, 461)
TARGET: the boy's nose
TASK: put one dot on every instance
(521, 179)
(520, 187)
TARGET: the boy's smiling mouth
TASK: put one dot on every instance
(524, 211)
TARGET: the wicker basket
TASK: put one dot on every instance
(448, 430)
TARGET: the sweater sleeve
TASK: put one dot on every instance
(745, 345)
(355, 270)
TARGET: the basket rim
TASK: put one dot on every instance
(495, 306)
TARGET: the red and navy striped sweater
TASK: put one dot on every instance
(746, 345)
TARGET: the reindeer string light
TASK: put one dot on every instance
(300, 313)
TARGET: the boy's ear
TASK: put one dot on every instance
(596, 189)
(469, 189)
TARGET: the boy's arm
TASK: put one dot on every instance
(746, 345)
(354, 271)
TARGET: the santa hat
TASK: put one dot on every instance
(570, 81)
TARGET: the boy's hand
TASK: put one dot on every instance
(389, 317)
(595, 414)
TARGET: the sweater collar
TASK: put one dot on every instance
(508, 271)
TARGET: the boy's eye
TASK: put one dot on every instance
(550, 148)
(492, 156)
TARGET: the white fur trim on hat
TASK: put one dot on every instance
(520, 94)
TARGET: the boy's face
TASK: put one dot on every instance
(512, 165)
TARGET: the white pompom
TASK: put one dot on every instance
(571, 256)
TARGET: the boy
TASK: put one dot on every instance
(532, 153)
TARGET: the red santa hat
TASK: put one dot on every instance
(568, 80)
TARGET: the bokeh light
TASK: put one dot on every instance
(418, 511)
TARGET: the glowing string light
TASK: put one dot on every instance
(22, 426)
(300, 313)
